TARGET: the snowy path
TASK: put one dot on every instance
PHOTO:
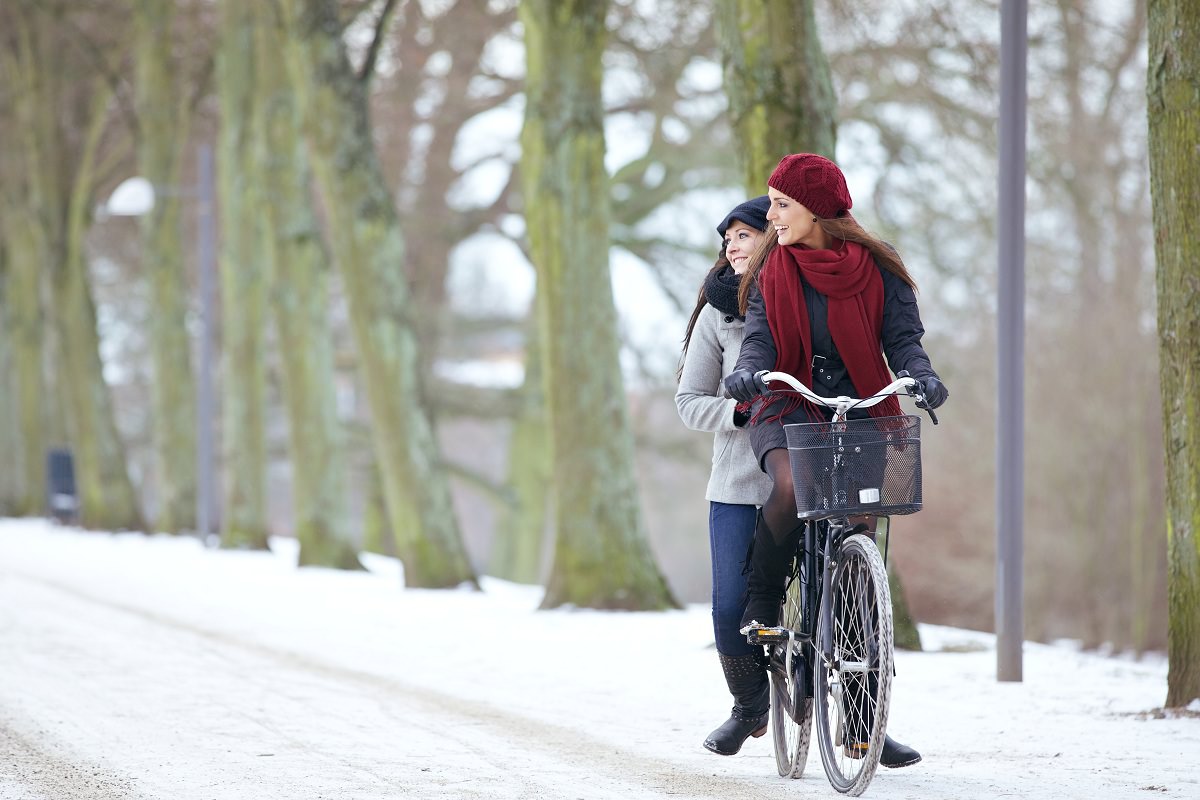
(135, 667)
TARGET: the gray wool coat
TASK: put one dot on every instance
(711, 355)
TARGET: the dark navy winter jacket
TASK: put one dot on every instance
(900, 337)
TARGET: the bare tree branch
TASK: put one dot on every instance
(381, 26)
(1134, 30)
(499, 493)
(95, 56)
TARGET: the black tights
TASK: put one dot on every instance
(779, 511)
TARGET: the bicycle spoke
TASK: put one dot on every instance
(791, 707)
(853, 688)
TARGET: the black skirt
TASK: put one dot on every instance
(766, 436)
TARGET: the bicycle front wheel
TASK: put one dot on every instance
(791, 691)
(854, 677)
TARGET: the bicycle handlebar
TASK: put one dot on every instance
(904, 384)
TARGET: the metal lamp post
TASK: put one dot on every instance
(1010, 318)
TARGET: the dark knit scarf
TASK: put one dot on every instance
(721, 290)
(848, 277)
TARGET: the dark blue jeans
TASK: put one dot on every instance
(730, 531)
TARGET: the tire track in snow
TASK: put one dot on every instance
(550, 757)
(39, 769)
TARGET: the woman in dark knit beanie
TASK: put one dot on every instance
(824, 301)
(736, 485)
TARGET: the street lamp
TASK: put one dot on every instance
(134, 197)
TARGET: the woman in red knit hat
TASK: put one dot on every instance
(825, 301)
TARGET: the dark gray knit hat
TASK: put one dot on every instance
(752, 212)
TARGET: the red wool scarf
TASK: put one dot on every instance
(848, 277)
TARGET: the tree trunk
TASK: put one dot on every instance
(11, 487)
(1173, 91)
(244, 281)
(106, 496)
(162, 121)
(24, 324)
(59, 175)
(520, 530)
(780, 94)
(299, 268)
(368, 249)
(904, 627)
(601, 556)
(377, 526)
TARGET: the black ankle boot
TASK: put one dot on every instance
(896, 755)
(747, 680)
(769, 562)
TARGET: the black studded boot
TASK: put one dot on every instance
(747, 680)
(769, 562)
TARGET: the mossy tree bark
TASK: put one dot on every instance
(368, 249)
(244, 278)
(904, 627)
(162, 127)
(601, 557)
(781, 96)
(10, 433)
(1173, 93)
(377, 525)
(24, 322)
(521, 525)
(60, 174)
(106, 496)
(299, 297)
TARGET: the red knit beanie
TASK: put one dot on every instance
(813, 181)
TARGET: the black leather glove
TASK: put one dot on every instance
(934, 390)
(743, 386)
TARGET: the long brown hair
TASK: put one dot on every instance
(701, 302)
(844, 228)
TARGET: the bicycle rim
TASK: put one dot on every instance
(853, 688)
(791, 709)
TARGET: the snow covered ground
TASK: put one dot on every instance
(150, 667)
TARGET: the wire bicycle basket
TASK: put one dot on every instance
(859, 466)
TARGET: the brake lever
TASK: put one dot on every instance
(918, 396)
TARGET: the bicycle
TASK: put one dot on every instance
(831, 655)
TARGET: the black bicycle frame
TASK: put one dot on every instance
(827, 545)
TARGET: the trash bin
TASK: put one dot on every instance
(62, 502)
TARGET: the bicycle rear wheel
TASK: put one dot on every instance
(853, 688)
(791, 700)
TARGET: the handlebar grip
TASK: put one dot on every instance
(758, 379)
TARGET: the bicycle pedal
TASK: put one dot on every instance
(758, 634)
(856, 750)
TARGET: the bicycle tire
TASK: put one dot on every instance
(791, 695)
(853, 689)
